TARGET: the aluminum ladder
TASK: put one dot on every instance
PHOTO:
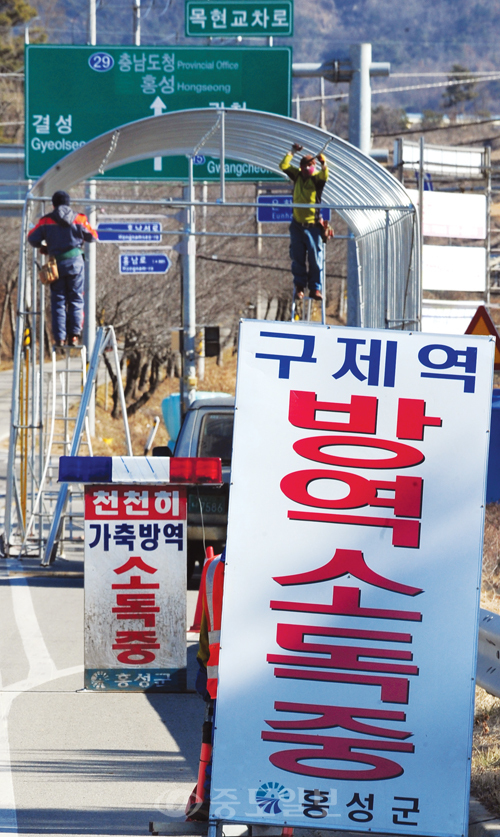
(306, 310)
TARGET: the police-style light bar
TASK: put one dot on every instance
(177, 470)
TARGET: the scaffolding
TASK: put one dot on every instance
(383, 226)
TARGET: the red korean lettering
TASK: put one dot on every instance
(332, 748)
(291, 638)
(344, 562)
(341, 717)
(406, 456)
(135, 562)
(407, 500)
(137, 606)
(362, 412)
(346, 602)
(136, 647)
(412, 419)
(392, 689)
(135, 583)
(404, 532)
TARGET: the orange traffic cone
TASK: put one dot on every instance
(195, 627)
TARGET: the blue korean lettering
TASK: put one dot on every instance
(150, 533)
(373, 358)
(124, 535)
(286, 360)
(452, 360)
(174, 534)
(100, 528)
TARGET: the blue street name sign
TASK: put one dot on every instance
(147, 231)
(144, 263)
(277, 209)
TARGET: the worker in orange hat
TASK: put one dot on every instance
(306, 250)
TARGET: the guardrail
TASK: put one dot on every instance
(488, 652)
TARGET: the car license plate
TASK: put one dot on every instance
(207, 504)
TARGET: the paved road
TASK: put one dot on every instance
(75, 762)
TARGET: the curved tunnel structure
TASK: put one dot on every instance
(373, 203)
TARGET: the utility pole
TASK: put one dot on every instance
(188, 380)
(137, 22)
(357, 68)
(89, 326)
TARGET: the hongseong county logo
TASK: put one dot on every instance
(270, 795)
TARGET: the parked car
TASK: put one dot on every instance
(207, 430)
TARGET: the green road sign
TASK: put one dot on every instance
(75, 93)
(239, 17)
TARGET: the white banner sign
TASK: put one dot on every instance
(444, 160)
(349, 628)
(135, 588)
(452, 215)
(446, 318)
(453, 268)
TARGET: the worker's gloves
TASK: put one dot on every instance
(322, 158)
(296, 147)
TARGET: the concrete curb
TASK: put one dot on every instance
(481, 822)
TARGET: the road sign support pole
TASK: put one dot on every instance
(137, 22)
(89, 326)
(421, 172)
(359, 135)
(189, 296)
(222, 156)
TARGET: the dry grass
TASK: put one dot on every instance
(110, 434)
(485, 779)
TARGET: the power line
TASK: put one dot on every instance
(218, 260)
(403, 132)
(376, 91)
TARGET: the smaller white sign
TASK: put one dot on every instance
(453, 268)
(444, 160)
(452, 318)
(448, 215)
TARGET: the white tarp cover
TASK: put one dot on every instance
(349, 630)
(446, 319)
(450, 268)
(452, 215)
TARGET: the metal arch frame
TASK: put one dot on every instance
(375, 206)
(363, 193)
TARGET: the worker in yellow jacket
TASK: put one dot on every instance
(306, 250)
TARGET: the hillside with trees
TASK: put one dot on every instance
(418, 36)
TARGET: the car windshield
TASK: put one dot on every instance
(216, 436)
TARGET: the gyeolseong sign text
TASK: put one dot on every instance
(75, 93)
(349, 627)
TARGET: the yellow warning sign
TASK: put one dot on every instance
(482, 323)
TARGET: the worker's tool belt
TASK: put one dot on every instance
(305, 225)
(69, 254)
(325, 229)
(49, 272)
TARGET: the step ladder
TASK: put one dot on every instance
(310, 310)
(51, 420)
